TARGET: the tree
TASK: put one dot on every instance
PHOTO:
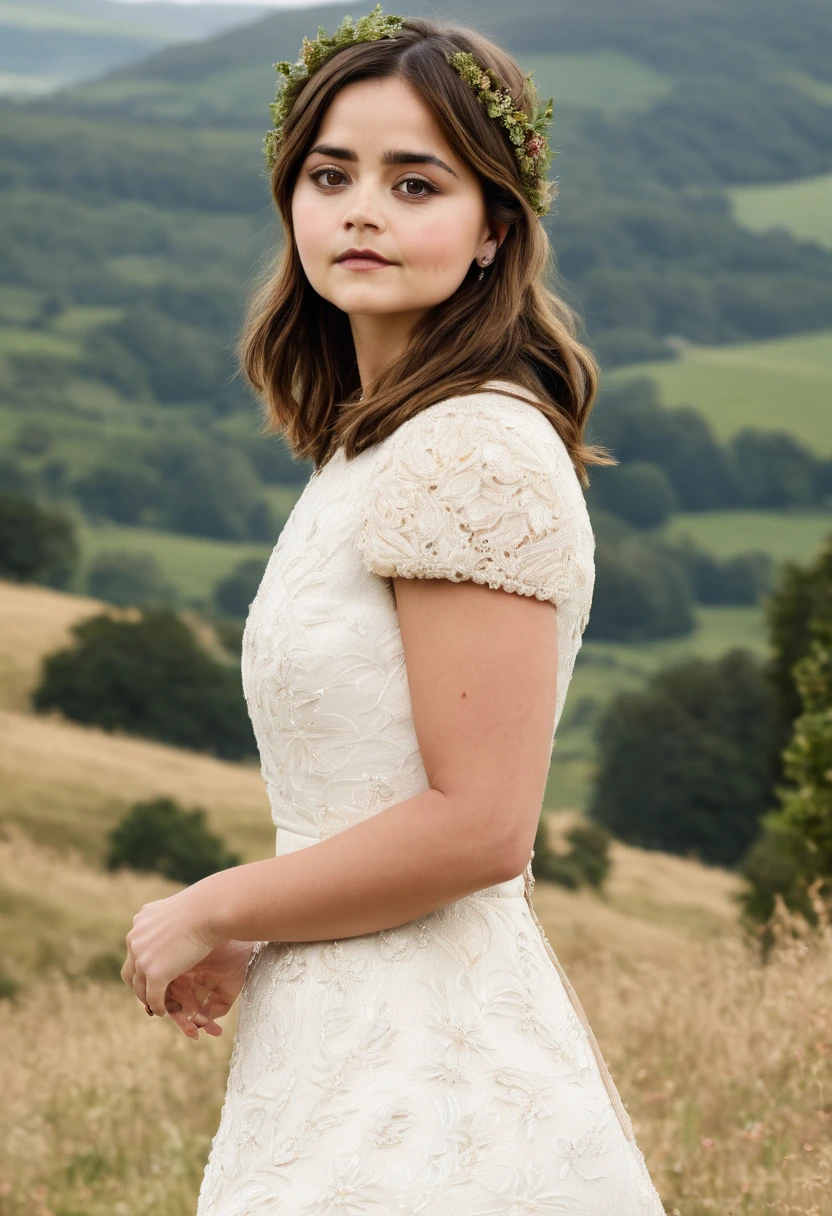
(775, 469)
(123, 577)
(209, 489)
(686, 764)
(640, 594)
(148, 676)
(630, 420)
(234, 593)
(794, 850)
(586, 863)
(36, 545)
(802, 595)
(161, 836)
(639, 492)
(741, 579)
(121, 492)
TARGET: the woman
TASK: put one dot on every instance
(407, 1042)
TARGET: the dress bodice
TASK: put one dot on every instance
(478, 487)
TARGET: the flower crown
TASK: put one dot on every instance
(531, 145)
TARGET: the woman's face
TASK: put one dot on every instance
(425, 212)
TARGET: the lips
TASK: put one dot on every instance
(364, 255)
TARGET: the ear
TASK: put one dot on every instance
(497, 234)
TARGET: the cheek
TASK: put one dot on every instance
(310, 225)
(440, 242)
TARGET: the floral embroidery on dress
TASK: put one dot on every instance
(389, 1126)
(529, 1093)
(350, 1190)
(463, 493)
(437, 1067)
(527, 1191)
(580, 1153)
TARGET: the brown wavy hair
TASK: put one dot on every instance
(296, 348)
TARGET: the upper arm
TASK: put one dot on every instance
(482, 673)
(468, 513)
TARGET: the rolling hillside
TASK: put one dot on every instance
(802, 207)
(719, 1061)
(47, 44)
(136, 217)
(782, 384)
(691, 232)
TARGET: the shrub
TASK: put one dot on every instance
(149, 677)
(161, 836)
(9, 986)
(36, 545)
(586, 863)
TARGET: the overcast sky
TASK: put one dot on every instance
(250, 3)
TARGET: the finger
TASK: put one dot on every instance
(155, 995)
(184, 1023)
(140, 984)
(180, 995)
(178, 1013)
(207, 1023)
(129, 968)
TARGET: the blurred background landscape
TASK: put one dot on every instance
(691, 780)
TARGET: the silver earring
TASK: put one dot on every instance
(487, 262)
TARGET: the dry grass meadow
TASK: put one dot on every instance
(725, 1064)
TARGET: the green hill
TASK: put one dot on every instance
(135, 215)
(46, 44)
(782, 384)
(803, 207)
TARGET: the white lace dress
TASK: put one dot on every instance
(445, 1066)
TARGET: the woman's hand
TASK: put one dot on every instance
(170, 937)
(206, 992)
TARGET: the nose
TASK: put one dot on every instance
(364, 209)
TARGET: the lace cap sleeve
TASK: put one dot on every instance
(479, 490)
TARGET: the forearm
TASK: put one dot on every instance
(399, 864)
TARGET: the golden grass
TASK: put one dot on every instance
(724, 1063)
(56, 910)
(649, 901)
(69, 784)
(36, 620)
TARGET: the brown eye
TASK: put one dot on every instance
(320, 178)
(317, 173)
(427, 188)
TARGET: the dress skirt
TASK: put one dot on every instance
(442, 1068)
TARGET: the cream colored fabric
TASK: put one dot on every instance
(443, 1067)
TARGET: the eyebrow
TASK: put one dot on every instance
(390, 157)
